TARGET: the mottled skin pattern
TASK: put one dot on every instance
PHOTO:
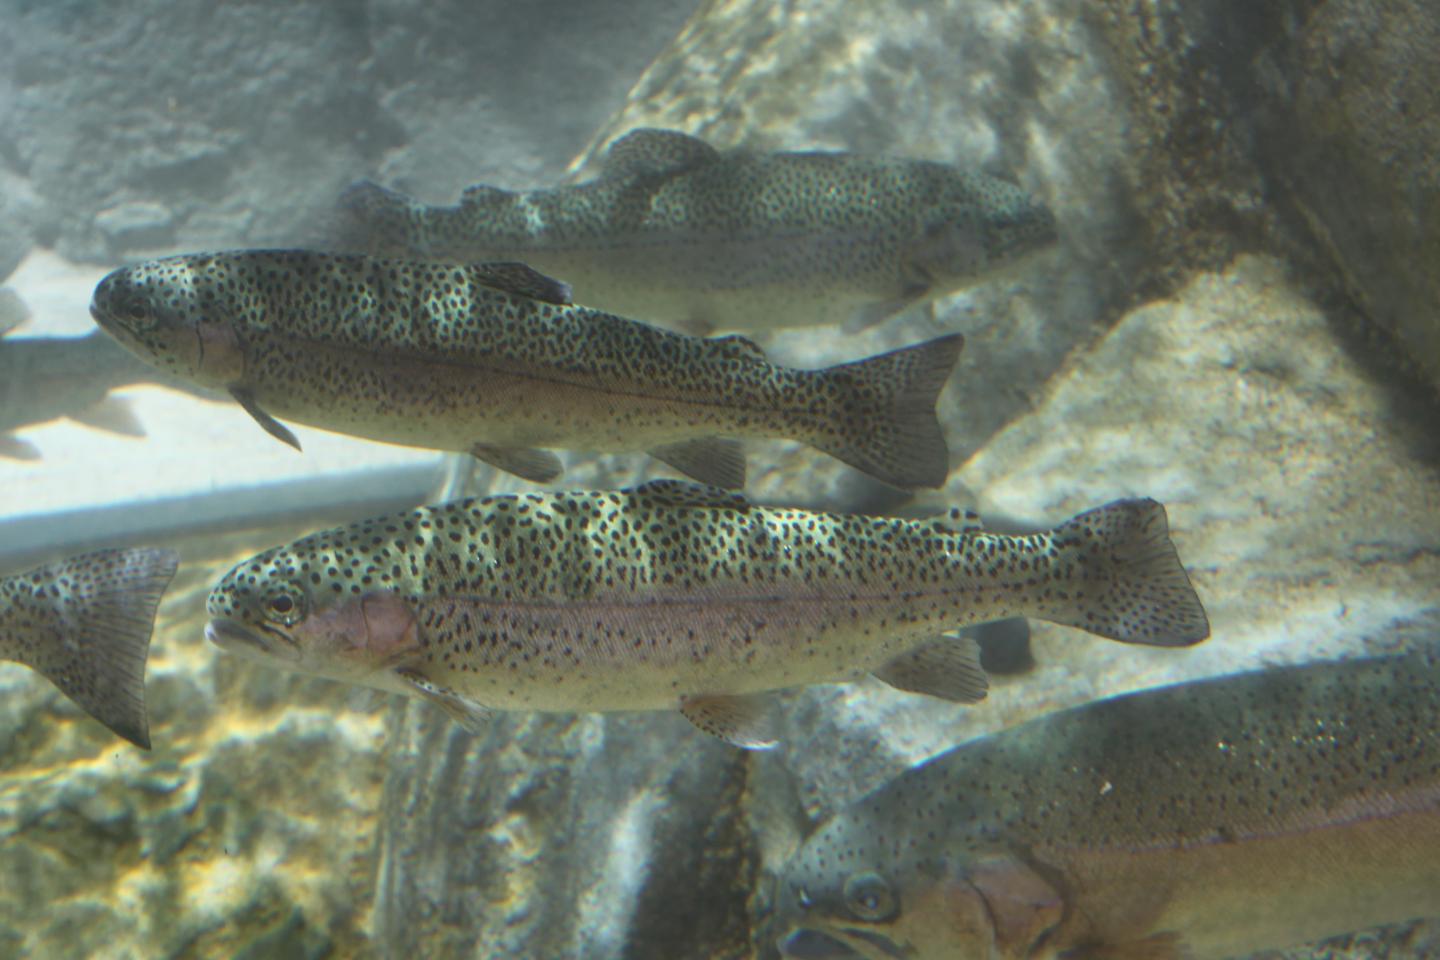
(1206, 820)
(676, 233)
(436, 355)
(631, 600)
(84, 624)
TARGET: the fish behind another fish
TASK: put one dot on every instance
(1205, 820)
(84, 624)
(676, 233)
(673, 596)
(493, 360)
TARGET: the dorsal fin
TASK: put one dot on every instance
(738, 346)
(678, 493)
(649, 151)
(517, 278)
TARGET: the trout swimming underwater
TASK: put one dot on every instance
(493, 360)
(84, 624)
(1204, 820)
(671, 595)
(676, 233)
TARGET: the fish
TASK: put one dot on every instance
(47, 378)
(1203, 820)
(675, 232)
(84, 623)
(494, 360)
(671, 595)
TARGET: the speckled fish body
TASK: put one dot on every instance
(492, 359)
(671, 595)
(1206, 820)
(674, 232)
(85, 624)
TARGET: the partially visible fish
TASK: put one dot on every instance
(493, 359)
(672, 596)
(1204, 820)
(46, 378)
(674, 232)
(84, 624)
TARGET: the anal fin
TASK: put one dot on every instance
(275, 428)
(742, 721)
(472, 716)
(711, 460)
(538, 466)
(948, 668)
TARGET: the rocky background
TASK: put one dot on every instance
(1241, 320)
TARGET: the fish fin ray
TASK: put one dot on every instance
(650, 151)
(275, 428)
(522, 280)
(681, 493)
(714, 461)
(884, 421)
(741, 721)
(13, 448)
(106, 621)
(537, 466)
(1132, 586)
(948, 668)
(112, 414)
(472, 716)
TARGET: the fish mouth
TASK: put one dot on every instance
(234, 637)
(808, 944)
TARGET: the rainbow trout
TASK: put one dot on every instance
(1204, 820)
(493, 359)
(84, 624)
(676, 233)
(671, 595)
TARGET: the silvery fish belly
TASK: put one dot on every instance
(494, 360)
(674, 232)
(1201, 821)
(671, 595)
(84, 624)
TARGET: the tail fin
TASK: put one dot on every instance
(1130, 585)
(102, 612)
(884, 422)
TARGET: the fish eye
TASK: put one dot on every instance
(284, 604)
(869, 897)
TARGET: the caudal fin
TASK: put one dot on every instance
(101, 612)
(884, 417)
(1125, 579)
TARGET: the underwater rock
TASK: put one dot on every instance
(137, 224)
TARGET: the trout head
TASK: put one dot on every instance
(973, 226)
(312, 608)
(166, 312)
(865, 889)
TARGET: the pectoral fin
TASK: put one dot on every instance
(649, 151)
(472, 716)
(112, 414)
(539, 466)
(948, 668)
(275, 428)
(719, 463)
(742, 721)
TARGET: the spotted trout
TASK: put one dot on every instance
(493, 360)
(670, 595)
(1205, 820)
(84, 624)
(676, 233)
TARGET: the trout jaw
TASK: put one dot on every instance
(263, 644)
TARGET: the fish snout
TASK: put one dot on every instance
(235, 637)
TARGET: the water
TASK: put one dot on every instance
(1237, 321)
